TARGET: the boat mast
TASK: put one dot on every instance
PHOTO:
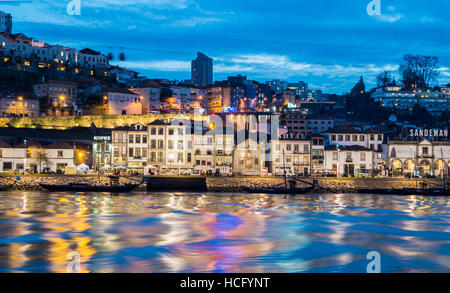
(284, 169)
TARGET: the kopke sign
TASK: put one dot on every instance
(428, 132)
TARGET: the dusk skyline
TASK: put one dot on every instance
(328, 44)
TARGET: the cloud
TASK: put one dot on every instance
(163, 65)
(195, 21)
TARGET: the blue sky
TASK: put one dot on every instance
(327, 43)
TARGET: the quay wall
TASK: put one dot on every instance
(220, 184)
(65, 122)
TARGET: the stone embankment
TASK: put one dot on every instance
(219, 184)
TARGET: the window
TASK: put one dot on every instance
(60, 154)
(161, 131)
(288, 147)
(363, 157)
(180, 131)
(171, 131)
(144, 139)
(425, 150)
(153, 131)
(130, 139)
(355, 138)
(160, 157)
(349, 156)
(170, 144)
(306, 148)
(347, 138)
(333, 137)
(335, 156)
(161, 144)
(138, 139)
(372, 137)
(340, 137)
(144, 153)
(130, 152)
(380, 137)
(138, 153)
(153, 157)
(153, 144)
(180, 145)
(189, 157)
(362, 138)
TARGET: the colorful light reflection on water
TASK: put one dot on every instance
(222, 233)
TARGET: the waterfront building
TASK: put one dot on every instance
(19, 106)
(57, 97)
(420, 157)
(102, 151)
(436, 102)
(202, 70)
(36, 157)
(293, 153)
(349, 160)
(248, 158)
(317, 154)
(369, 139)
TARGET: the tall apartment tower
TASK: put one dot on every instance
(5, 23)
(202, 70)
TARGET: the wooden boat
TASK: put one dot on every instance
(85, 187)
(280, 190)
(407, 191)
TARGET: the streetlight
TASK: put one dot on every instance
(25, 157)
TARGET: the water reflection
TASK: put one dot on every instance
(222, 233)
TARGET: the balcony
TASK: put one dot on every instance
(318, 157)
(349, 160)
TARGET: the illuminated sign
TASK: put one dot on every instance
(102, 138)
(428, 132)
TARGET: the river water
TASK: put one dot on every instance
(181, 232)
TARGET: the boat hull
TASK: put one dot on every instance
(75, 188)
(428, 192)
(280, 191)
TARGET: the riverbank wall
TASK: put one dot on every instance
(222, 184)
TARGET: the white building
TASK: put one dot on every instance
(294, 153)
(349, 161)
(370, 139)
(393, 97)
(122, 102)
(424, 157)
(13, 158)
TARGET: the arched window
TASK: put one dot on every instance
(393, 153)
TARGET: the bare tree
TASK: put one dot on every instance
(419, 71)
(385, 79)
(41, 157)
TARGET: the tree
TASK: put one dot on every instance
(419, 71)
(421, 116)
(359, 88)
(385, 79)
(40, 155)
